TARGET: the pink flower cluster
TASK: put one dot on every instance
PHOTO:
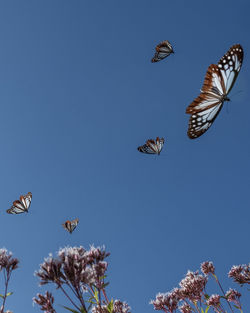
(191, 294)
(75, 265)
(240, 274)
(192, 287)
(45, 302)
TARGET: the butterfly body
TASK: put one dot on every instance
(218, 83)
(22, 205)
(70, 225)
(152, 146)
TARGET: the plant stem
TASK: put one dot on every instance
(69, 298)
(81, 299)
(105, 296)
(6, 281)
(223, 292)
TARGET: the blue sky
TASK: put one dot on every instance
(78, 94)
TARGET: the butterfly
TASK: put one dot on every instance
(70, 225)
(163, 50)
(22, 205)
(152, 147)
(219, 81)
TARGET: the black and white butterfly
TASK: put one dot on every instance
(70, 225)
(152, 147)
(22, 205)
(162, 50)
(218, 83)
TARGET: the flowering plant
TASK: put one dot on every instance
(191, 296)
(7, 265)
(80, 275)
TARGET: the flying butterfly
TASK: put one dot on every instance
(22, 205)
(152, 147)
(219, 81)
(70, 225)
(162, 50)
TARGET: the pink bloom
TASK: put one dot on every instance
(192, 286)
(207, 267)
(45, 302)
(233, 295)
(240, 274)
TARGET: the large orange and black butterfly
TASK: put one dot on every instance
(162, 50)
(22, 205)
(218, 83)
(70, 225)
(152, 147)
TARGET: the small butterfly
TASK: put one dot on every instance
(70, 225)
(162, 50)
(22, 205)
(152, 147)
(219, 81)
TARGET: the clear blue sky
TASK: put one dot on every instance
(78, 94)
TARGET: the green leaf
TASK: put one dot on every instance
(207, 308)
(110, 306)
(90, 301)
(96, 296)
(237, 307)
(206, 296)
(105, 285)
(202, 311)
(71, 310)
(8, 294)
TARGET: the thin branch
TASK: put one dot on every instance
(222, 291)
(69, 298)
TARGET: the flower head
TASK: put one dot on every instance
(233, 295)
(240, 274)
(45, 302)
(7, 261)
(75, 265)
(118, 307)
(50, 271)
(121, 307)
(192, 286)
(214, 302)
(207, 267)
(185, 308)
(167, 302)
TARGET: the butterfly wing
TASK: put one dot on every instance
(151, 146)
(22, 205)
(162, 50)
(159, 144)
(70, 225)
(230, 65)
(17, 208)
(208, 104)
(218, 83)
(74, 223)
(26, 200)
(148, 148)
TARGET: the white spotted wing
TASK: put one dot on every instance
(218, 82)
(152, 146)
